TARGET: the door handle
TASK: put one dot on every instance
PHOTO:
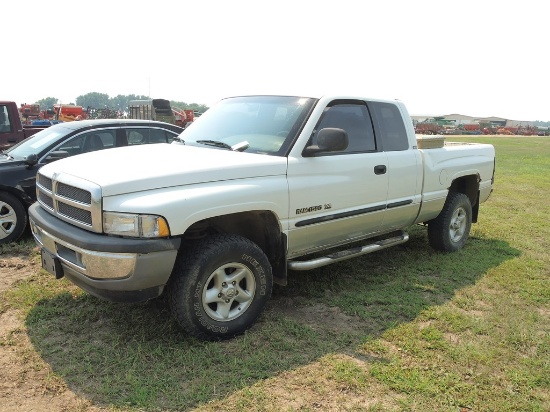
(380, 169)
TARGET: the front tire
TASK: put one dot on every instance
(449, 231)
(13, 218)
(219, 286)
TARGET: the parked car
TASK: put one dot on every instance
(19, 163)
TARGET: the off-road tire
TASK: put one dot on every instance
(13, 218)
(219, 286)
(449, 231)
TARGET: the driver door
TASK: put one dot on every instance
(338, 197)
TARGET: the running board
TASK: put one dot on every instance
(402, 237)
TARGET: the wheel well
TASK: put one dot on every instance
(260, 226)
(469, 185)
(22, 197)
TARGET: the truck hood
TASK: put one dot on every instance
(144, 167)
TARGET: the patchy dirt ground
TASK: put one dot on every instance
(13, 269)
(26, 382)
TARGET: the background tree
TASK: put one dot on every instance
(47, 102)
(95, 100)
(198, 108)
(120, 103)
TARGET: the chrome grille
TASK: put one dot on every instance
(72, 199)
(75, 213)
(74, 193)
(44, 181)
(45, 200)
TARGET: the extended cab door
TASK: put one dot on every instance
(404, 164)
(336, 197)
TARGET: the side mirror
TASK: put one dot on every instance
(329, 139)
(31, 159)
(56, 155)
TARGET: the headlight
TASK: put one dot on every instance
(133, 225)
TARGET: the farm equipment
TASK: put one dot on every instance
(69, 112)
(472, 128)
(106, 113)
(428, 128)
(159, 109)
(527, 131)
(29, 112)
(183, 117)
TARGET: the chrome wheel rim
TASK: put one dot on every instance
(8, 220)
(458, 224)
(228, 292)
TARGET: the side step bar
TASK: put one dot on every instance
(402, 237)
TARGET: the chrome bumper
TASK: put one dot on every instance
(95, 265)
(112, 268)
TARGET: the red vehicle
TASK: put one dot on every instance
(12, 129)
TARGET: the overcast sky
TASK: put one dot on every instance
(477, 58)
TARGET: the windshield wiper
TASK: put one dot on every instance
(239, 147)
(7, 155)
(216, 143)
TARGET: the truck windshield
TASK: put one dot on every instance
(38, 142)
(267, 123)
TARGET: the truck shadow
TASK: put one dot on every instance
(135, 355)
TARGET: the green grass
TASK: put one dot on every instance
(22, 248)
(406, 328)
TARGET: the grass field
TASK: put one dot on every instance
(403, 329)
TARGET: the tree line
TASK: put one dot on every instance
(118, 103)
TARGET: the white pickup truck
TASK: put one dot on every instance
(257, 186)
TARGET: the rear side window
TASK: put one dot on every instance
(147, 136)
(390, 128)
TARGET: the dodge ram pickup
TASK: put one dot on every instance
(257, 187)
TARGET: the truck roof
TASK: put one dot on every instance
(320, 96)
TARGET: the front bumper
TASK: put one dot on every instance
(112, 268)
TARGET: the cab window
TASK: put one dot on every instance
(355, 120)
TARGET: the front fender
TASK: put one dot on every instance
(184, 205)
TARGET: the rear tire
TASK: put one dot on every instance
(13, 218)
(449, 231)
(219, 286)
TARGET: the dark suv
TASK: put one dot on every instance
(19, 164)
